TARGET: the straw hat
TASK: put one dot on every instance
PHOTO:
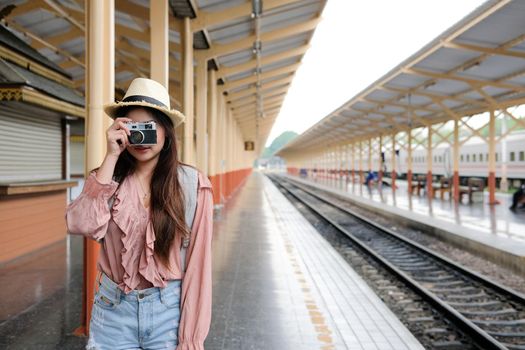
(146, 93)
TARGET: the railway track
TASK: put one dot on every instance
(490, 315)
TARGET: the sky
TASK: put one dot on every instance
(357, 42)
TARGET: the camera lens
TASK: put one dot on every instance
(136, 137)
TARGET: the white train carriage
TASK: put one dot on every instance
(473, 159)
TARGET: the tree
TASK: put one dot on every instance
(279, 142)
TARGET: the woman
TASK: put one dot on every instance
(153, 218)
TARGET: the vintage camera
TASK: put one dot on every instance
(144, 134)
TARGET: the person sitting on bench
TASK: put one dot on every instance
(518, 198)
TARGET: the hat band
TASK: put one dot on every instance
(142, 98)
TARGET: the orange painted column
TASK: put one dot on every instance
(100, 89)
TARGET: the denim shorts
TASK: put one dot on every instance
(143, 319)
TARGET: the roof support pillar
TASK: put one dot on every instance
(409, 162)
(503, 182)
(347, 162)
(339, 162)
(100, 87)
(429, 163)
(370, 154)
(353, 164)
(380, 153)
(360, 163)
(393, 172)
(492, 158)
(455, 159)
(187, 91)
(212, 105)
(159, 39)
(201, 115)
(218, 151)
(323, 163)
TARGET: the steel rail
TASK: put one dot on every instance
(478, 335)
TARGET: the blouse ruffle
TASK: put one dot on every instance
(127, 216)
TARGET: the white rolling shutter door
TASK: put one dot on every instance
(30, 147)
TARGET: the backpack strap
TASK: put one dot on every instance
(189, 180)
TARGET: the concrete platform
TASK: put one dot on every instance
(491, 231)
(279, 285)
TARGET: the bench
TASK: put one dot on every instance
(418, 183)
(444, 185)
(474, 184)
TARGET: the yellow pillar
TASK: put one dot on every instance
(360, 162)
(221, 131)
(353, 163)
(393, 172)
(99, 90)
(429, 163)
(213, 150)
(201, 116)
(370, 154)
(409, 160)
(187, 91)
(492, 159)
(455, 156)
(159, 39)
(380, 152)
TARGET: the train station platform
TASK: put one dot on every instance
(277, 284)
(492, 231)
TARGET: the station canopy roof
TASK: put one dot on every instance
(475, 66)
(224, 31)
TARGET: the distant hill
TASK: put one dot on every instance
(279, 142)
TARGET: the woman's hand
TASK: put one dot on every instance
(117, 140)
(117, 137)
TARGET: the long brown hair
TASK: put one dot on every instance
(167, 198)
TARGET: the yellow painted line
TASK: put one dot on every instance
(324, 333)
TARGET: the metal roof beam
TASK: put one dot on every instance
(248, 80)
(226, 71)
(264, 87)
(225, 49)
(267, 97)
(470, 81)
(401, 105)
(271, 102)
(487, 50)
(252, 104)
(264, 93)
(35, 37)
(207, 19)
(431, 95)
(252, 114)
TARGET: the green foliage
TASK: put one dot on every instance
(279, 142)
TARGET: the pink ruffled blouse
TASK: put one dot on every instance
(127, 251)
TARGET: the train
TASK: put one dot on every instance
(473, 159)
